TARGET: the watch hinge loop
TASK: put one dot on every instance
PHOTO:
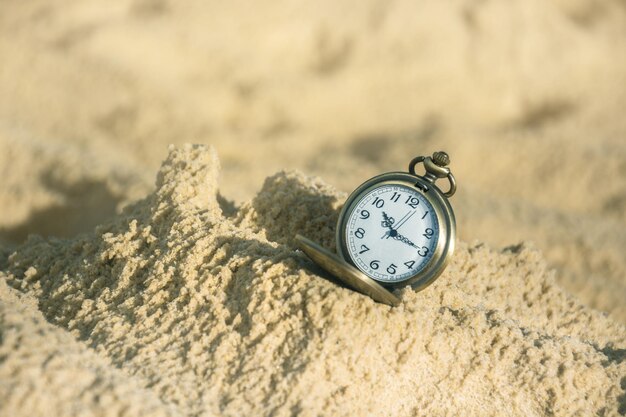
(436, 168)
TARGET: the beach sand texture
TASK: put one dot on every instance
(126, 295)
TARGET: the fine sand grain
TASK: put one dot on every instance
(121, 295)
(186, 305)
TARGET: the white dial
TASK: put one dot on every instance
(392, 233)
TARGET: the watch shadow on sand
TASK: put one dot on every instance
(290, 203)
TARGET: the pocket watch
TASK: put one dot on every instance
(396, 229)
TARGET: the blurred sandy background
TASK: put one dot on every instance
(527, 97)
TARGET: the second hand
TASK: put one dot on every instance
(404, 220)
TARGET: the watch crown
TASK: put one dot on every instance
(441, 159)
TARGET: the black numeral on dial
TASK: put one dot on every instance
(409, 264)
(365, 214)
(360, 233)
(423, 252)
(395, 197)
(429, 233)
(375, 264)
(378, 202)
(391, 269)
(363, 249)
(412, 202)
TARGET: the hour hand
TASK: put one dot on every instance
(387, 222)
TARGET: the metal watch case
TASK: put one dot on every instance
(445, 217)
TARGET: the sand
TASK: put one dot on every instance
(186, 296)
(208, 314)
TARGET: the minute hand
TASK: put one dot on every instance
(405, 240)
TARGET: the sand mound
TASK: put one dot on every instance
(46, 372)
(209, 310)
(527, 96)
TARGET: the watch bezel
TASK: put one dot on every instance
(443, 211)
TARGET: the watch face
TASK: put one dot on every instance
(391, 233)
